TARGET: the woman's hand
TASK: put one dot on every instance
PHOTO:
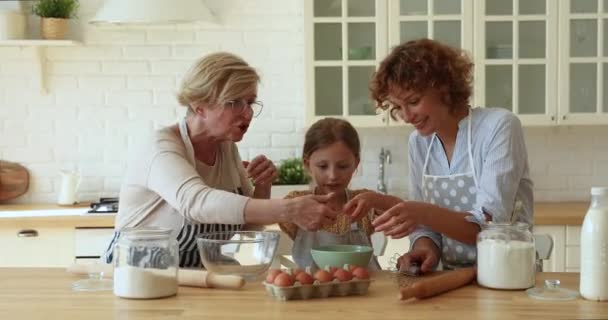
(261, 171)
(311, 212)
(400, 220)
(360, 205)
(424, 253)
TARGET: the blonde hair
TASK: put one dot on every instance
(217, 78)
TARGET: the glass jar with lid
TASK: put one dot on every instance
(146, 261)
(506, 256)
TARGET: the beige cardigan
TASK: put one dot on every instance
(165, 186)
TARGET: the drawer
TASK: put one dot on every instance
(36, 247)
(91, 242)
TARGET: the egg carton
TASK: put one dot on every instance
(317, 290)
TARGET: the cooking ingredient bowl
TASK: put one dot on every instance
(244, 253)
(341, 254)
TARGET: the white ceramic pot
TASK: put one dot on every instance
(69, 185)
(12, 25)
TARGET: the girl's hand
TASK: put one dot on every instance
(360, 205)
(261, 171)
(400, 220)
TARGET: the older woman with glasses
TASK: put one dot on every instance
(189, 177)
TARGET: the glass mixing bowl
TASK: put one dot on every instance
(243, 253)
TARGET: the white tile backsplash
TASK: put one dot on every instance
(113, 90)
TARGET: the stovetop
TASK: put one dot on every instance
(105, 205)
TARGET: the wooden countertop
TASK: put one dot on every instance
(76, 220)
(545, 213)
(47, 294)
(560, 213)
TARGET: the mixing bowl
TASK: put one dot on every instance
(244, 253)
(340, 254)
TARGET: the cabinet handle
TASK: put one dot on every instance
(564, 117)
(27, 233)
(552, 118)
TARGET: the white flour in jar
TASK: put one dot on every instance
(506, 264)
(143, 283)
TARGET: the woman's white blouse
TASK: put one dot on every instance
(501, 166)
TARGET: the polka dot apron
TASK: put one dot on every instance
(456, 192)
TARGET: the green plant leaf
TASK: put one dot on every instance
(63, 9)
(291, 171)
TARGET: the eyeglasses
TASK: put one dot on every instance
(239, 106)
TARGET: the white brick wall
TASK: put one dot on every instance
(111, 92)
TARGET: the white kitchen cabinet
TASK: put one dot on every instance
(556, 262)
(516, 58)
(583, 62)
(91, 242)
(32, 246)
(573, 249)
(345, 41)
(517, 46)
(566, 247)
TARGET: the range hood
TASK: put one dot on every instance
(152, 12)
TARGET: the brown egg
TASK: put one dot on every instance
(343, 275)
(296, 271)
(304, 278)
(352, 267)
(361, 273)
(323, 276)
(283, 280)
(272, 274)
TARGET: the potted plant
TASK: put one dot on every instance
(55, 15)
(291, 176)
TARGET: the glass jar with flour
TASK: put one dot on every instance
(506, 257)
(146, 261)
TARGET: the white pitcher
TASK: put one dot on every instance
(69, 184)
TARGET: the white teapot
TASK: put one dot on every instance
(69, 184)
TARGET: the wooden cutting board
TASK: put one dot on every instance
(14, 180)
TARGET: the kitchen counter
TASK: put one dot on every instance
(560, 213)
(46, 294)
(19, 215)
(546, 213)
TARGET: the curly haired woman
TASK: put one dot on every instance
(467, 165)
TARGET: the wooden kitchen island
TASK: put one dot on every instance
(46, 294)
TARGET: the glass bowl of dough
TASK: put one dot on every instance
(248, 254)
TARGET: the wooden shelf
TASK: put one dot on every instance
(39, 43)
(39, 46)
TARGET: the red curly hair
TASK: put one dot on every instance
(422, 64)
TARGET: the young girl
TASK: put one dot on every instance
(331, 155)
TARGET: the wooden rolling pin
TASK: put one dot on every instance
(185, 277)
(432, 286)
